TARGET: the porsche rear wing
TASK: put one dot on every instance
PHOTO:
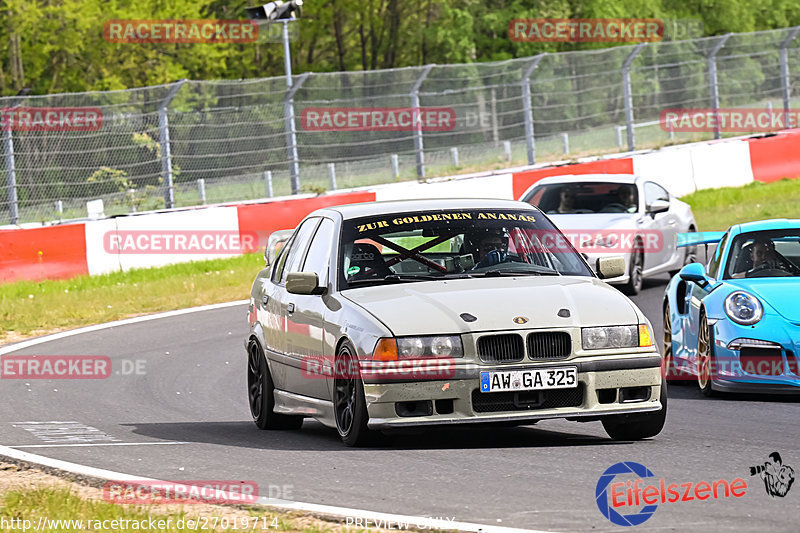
(700, 237)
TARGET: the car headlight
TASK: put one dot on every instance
(612, 337)
(415, 347)
(743, 308)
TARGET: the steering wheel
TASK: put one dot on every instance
(766, 272)
(614, 208)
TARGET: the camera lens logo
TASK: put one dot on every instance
(603, 500)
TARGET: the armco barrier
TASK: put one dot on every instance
(38, 253)
(263, 219)
(72, 249)
(775, 157)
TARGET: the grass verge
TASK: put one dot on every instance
(28, 308)
(718, 209)
(32, 500)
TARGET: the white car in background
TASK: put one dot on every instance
(618, 214)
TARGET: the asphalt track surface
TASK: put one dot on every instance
(189, 403)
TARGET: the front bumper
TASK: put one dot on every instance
(771, 369)
(459, 400)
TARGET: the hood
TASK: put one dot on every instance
(431, 307)
(781, 294)
(594, 222)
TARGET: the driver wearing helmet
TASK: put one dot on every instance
(763, 257)
(488, 247)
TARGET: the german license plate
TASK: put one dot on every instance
(563, 377)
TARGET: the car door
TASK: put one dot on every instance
(284, 365)
(666, 223)
(305, 320)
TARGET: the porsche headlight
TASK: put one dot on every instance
(610, 337)
(430, 346)
(743, 308)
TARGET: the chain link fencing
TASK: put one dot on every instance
(195, 142)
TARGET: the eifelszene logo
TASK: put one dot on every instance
(614, 497)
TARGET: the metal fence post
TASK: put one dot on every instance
(785, 87)
(268, 180)
(11, 176)
(166, 150)
(201, 187)
(291, 130)
(332, 175)
(527, 107)
(626, 88)
(418, 129)
(712, 81)
(395, 166)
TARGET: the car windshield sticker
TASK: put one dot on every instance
(415, 219)
(353, 270)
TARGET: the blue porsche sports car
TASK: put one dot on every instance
(734, 324)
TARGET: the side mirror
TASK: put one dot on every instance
(694, 272)
(274, 244)
(303, 283)
(610, 267)
(658, 206)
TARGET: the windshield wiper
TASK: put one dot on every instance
(517, 272)
(395, 278)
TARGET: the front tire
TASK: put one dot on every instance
(261, 393)
(705, 357)
(349, 403)
(635, 274)
(638, 426)
(669, 365)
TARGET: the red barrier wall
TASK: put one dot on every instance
(773, 158)
(54, 252)
(523, 180)
(263, 219)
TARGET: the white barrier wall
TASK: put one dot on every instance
(140, 241)
(688, 168)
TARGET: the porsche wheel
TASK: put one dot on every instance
(349, 404)
(260, 393)
(705, 357)
(638, 426)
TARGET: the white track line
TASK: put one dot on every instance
(89, 444)
(339, 513)
(124, 322)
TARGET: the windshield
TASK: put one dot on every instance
(419, 246)
(586, 197)
(764, 254)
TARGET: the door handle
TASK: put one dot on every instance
(290, 308)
